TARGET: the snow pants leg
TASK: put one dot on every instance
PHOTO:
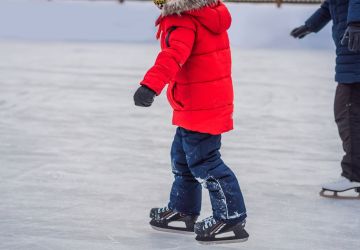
(185, 195)
(196, 160)
(347, 117)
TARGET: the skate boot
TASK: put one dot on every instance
(161, 218)
(341, 185)
(212, 231)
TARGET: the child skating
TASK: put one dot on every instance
(195, 62)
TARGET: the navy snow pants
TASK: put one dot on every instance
(196, 162)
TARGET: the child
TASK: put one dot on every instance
(196, 63)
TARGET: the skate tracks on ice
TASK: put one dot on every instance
(81, 166)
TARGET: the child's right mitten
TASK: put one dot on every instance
(144, 96)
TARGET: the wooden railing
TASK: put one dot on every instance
(277, 2)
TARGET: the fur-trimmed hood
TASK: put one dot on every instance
(212, 14)
(179, 6)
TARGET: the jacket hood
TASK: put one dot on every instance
(212, 14)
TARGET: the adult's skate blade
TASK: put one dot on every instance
(172, 230)
(221, 241)
(334, 195)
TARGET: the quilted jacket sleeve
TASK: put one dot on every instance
(179, 39)
(320, 18)
(354, 11)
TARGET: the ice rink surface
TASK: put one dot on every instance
(80, 165)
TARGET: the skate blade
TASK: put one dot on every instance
(220, 241)
(334, 195)
(170, 230)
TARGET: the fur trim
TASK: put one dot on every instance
(178, 6)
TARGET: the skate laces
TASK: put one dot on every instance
(209, 222)
(163, 209)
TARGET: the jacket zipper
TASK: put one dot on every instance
(167, 38)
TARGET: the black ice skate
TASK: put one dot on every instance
(331, 190)
(211, 231)
(161, 218)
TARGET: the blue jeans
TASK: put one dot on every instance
(196, 162)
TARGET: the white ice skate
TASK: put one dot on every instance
(331, 190)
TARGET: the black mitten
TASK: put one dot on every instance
(144, 96)
(300, 32)
(352, 36)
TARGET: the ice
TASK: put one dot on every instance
(81, 165)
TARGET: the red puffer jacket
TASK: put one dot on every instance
(196, 63)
